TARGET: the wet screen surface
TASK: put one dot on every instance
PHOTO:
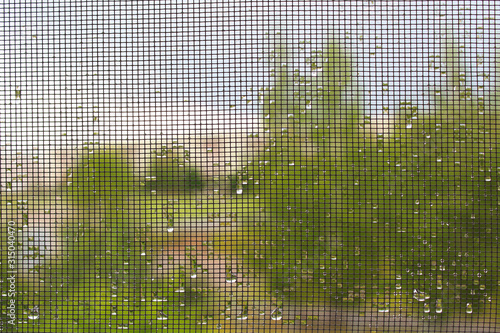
(249, 167)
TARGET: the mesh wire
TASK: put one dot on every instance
(249, 166)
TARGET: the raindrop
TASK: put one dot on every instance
(243, 315)
(277, 314)
(228, 306)
(439, 284)
(34, 313)
(439, 306)
(420, 295)
(230, 277)
(170, 223)
(161, 315)
(383, 307)
(427, 308)
(468, 308)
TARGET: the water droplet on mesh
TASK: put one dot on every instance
(420, 295)
(230, 277)
(468, 308)
(161, 315)
(383, 307)
(34, 313)
(277, 314)
(170, 223)
(243, 315)
(439, 306)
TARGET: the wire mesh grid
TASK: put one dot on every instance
(249, 166)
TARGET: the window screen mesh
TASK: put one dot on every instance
(249, 166)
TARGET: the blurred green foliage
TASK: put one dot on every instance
(333, 213)
(171, 170)
(406, 219)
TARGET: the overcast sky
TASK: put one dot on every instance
(72, 61)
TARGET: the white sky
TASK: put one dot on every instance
(76, 60)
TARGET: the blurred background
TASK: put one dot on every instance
(79, 71)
